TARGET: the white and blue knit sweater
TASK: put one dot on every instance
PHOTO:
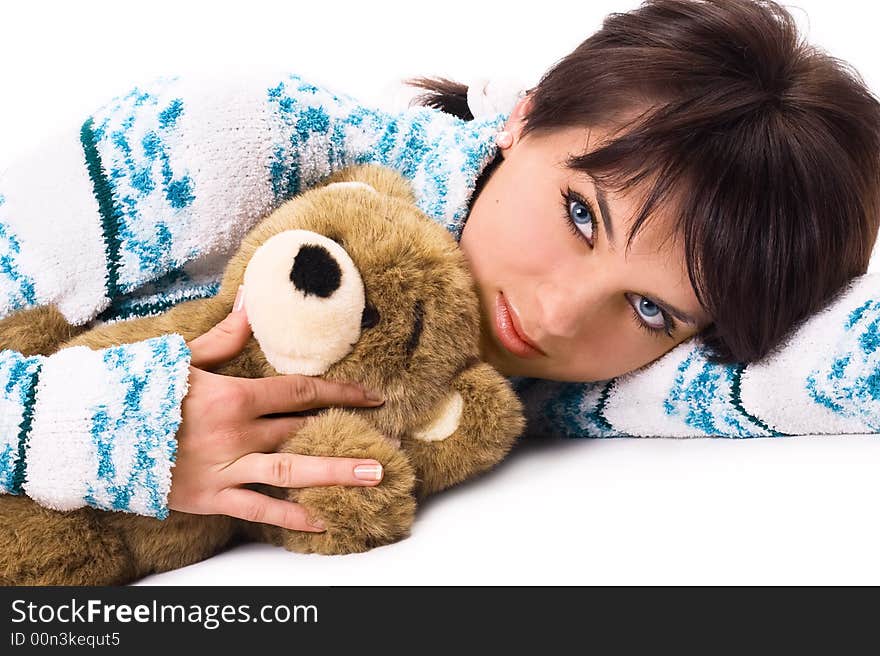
(141, 206)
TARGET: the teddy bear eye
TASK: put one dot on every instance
(370, 317)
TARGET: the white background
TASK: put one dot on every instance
(797, 510)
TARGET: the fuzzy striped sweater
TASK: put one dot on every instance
(141, 207)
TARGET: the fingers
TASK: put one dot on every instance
(293, 470)
(222, 343)
(268, 434)
(294, 393)
(255, 507)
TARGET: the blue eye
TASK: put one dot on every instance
(650, 310)
(578, 216)
(582, 215)
(577, 213)
(646, 309)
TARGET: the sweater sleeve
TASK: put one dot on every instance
(93, 427)
(191, 165)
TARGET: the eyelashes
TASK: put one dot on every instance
(652, 330)
(570, 196)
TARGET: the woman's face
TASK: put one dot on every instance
(580, 304)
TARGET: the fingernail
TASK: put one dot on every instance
(368, 472)
(375, 397)
(317, 523)
(239, 299)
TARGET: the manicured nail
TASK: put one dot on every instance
(375, 397)
(239, 299)
(368, 472)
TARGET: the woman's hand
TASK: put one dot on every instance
(225, 441)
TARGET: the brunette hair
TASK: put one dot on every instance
(770, 145)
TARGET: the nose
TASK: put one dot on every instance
(560, 309)
(315, 271)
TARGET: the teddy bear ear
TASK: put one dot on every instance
(383, 179)
(353, 185)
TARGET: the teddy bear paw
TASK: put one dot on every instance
(357, 518)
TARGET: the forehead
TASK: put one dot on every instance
(657, 231)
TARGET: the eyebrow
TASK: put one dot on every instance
(602, 199)
(675, 312)
(606, 215)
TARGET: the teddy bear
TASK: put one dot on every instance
(350, 281)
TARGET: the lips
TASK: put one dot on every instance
(517, 326)
(510, 332)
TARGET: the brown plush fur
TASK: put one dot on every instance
(403, 258)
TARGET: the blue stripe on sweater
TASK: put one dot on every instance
(136, 152)
(423, 144)
(138, 433)
(848, 381)
(705, 397)
(571, 410)
(16, 288)
(16, 402)
(103, 191)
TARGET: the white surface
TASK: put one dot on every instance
(797, 510)
(625, 511)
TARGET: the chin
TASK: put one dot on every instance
(490, 353)
(507, 368)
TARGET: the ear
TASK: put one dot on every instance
(518, 116)
(383, 179)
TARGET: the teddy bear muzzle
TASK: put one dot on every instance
(305, 301)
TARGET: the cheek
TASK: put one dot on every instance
(520, 239)
(540, 240)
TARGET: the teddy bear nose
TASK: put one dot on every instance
(315, 271)
(305, 301)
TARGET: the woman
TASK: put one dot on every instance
(674, 176)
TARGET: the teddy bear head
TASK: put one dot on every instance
(352, 282)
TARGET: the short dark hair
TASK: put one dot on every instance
(771, 145)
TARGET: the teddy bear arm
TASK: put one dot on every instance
(36, 331)
(478, 424)
(44, 330)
